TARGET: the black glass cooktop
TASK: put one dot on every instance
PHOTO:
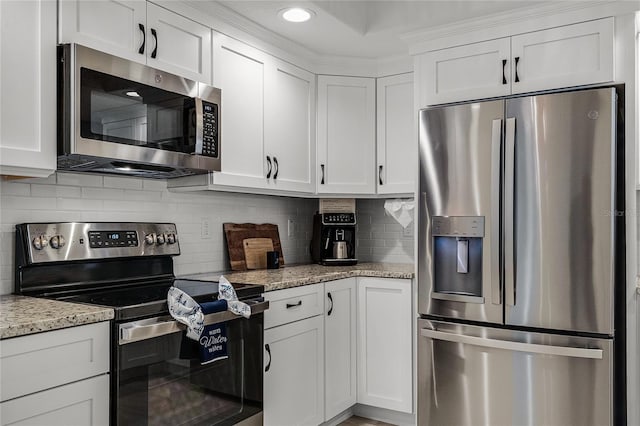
(151, 299)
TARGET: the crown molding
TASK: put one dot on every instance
(226, 21)
(519, 21)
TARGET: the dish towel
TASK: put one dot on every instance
(227, 292)
(187, 311)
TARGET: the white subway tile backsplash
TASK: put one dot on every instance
(380, 237)
(39, 190)
(75, 179)
(122, 182)
(68, 197)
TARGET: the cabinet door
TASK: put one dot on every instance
(385, 343)
(294, 373)
(290, 127)
(239, 71)
(346, 135)
(27, 88)
(473, 71)
(340, 346)
(80, 403)
(397, 141)
(107, 25)
(572, 55)
(178, 45)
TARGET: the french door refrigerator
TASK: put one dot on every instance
(517, 261)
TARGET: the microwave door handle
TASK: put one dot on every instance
(199, 126)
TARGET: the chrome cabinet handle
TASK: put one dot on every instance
(155, 48)
(144, 39)
(380, 174)
(509, 212)
(331, 300)
(517, 79)
(269, 163)
(268, 349)
(504, 76)
(275, 162)
(322, 179)
(513, 346)
(293, 305)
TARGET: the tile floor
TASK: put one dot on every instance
(361, 421)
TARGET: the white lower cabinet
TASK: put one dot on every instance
(360, 351)
(81, 403)
(339, 346)
(384, 344)
(56, 378)
(294, 373)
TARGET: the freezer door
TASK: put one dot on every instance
(559, 236)
(459, 211)
(476, 376)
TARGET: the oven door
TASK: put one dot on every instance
(159, 378)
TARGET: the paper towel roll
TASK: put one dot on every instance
(400, 210)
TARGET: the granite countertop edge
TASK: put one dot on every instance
(282, 285)
(23, 315)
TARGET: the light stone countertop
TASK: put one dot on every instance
(299, 275)
(21, 315)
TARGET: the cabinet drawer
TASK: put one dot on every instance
(293, 304)
(41, 361)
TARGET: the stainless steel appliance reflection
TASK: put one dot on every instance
(517, 261)
(156, 374)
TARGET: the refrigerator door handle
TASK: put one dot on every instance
(509, 212)
(496, 141)
(565, 351)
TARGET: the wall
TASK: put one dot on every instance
(380, 237)
(67, 197)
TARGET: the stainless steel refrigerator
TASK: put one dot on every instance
(517, 260)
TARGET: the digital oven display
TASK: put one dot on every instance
(102, 239)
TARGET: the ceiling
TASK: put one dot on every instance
(365, 28)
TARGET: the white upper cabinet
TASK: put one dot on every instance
(264, 148)
(572, 55)
(397, 139)
(346, 135)
(290, 127)
(240, 72)
(472, 71)
(141, 32)
(27, 88)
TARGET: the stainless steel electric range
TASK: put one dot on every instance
(156, 376)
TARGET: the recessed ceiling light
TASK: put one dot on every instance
(296, 14)
(132, 94)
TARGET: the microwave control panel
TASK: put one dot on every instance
(210, 129)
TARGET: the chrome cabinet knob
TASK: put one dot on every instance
(150, 239)
(40, 242)
(57, 241)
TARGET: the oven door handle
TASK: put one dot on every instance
(154, 327)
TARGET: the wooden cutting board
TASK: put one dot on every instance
(236, 233)
(255, 252)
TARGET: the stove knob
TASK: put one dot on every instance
(171, 238)
(150, 239)
(40, 242)
(160, 239)
(57, 241)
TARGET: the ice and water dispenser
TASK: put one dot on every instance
(457, 255)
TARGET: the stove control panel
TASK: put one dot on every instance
(54, 242)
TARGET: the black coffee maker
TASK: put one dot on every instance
(334, 239)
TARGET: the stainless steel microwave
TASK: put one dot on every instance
(116, 116)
